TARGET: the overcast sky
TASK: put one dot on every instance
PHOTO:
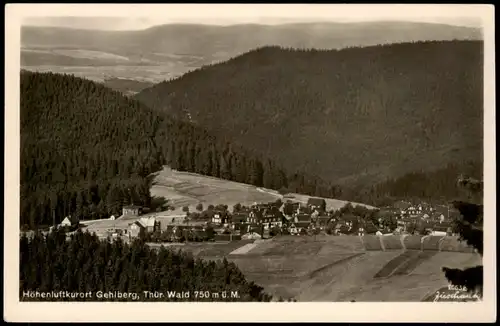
(133, 17)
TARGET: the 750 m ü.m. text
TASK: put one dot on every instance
(196, 295)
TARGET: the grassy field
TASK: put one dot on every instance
(207, 250)
(189, 189)
(337, 268)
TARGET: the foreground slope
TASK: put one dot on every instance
(329, 268)
(353, 114)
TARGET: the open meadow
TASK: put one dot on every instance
(328, 268)
(188, 189)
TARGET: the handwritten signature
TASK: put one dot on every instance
(456, 293)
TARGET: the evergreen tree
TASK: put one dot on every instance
(470, 228)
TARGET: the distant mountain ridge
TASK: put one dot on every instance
(185, 47)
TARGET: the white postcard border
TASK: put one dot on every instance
(14, 310)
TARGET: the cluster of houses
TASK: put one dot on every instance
(267, 219)
(260, 219)
(421, 217)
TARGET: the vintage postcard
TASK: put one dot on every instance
(250, 162)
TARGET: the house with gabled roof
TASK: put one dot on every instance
(316, 204)
(402, 205)
(240, 217)
(342, 228)
(302, 218)
(272, 217)
(303, 210)
(70, 220)
(293, 229)
(291, 208)
(220, 217)
(323, 219)
(302, 222)
(135, 228)
(150, 223)
(131, 210)
(367, 228)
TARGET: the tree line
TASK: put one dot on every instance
(437, 186)
(86, 264)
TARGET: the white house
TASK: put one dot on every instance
(217, 219)
(131, 210)
(69, 221)
(293, 229)
(149, 223)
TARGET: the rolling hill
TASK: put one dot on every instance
(353, 115)
(178, 48)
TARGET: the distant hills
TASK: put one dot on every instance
(179, 48)
(126, 86)
(352, 116)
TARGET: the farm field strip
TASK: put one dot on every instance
(244, 249)
(393, 264)
(332, 264)
(409, 265)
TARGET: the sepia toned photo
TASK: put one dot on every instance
(337, 155)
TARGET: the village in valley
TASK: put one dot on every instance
(266, 220)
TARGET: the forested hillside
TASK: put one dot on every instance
(84, 264)
(353, 116)
(87, 151)
(434, 186)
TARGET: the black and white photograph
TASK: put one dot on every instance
(338, 155)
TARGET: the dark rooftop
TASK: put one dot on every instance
(316, 201)
(132, 207)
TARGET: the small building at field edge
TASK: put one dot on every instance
(70, 221)
(131, 210)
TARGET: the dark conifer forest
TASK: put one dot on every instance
(87, 151)
(85, 264)
(355, 116)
